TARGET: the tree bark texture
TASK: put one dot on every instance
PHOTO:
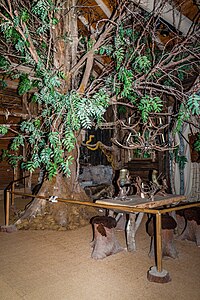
(42, 214)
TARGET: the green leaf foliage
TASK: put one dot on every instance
(12, 159)
(3, 130)
(181, 160)
(197, 144)
(4, 64)
(193, 104)
(51, 170)
(17, 142)
(4, 154)
(142, 64)
(69, 140)
(40, 8)
(65, 166)
(25, 84)
(149, 105)
(126, 78)
(183, 115)
(134, 81)
(46, 155)
(30, 166)
(25, 15)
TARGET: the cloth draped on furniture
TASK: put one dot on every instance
(191, 170)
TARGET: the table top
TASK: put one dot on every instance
(134, 201)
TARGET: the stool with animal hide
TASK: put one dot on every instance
(104, 242)
(168, 225)
(188, 221)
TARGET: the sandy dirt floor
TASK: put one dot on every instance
(57, 265)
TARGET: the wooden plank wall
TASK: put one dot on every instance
(96, 157)
(9, 100)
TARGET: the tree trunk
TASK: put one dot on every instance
(43, 214)
(65, 41)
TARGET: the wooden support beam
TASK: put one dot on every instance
(7, 113)
(104, 8)
(168, 13)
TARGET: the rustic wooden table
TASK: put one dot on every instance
(131, 205)
(159, 206)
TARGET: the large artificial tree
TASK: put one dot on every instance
(75, 74)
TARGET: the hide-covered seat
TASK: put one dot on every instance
(104, 241)
(168, 225)
(189, 224)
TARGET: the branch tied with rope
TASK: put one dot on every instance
(107, 151)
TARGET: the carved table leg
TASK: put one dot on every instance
(131, 229)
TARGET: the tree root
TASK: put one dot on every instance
(37, 207)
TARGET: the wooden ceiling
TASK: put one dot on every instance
(179, 13)
(92, 12)
(188, 8)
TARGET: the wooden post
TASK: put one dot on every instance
(12, 194)
(156, 273)
(168, 224)
(7, 207)
(158, 243)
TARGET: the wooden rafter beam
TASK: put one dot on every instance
(6, 113)
(84, 21)
(104, 8)
(168, 13)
